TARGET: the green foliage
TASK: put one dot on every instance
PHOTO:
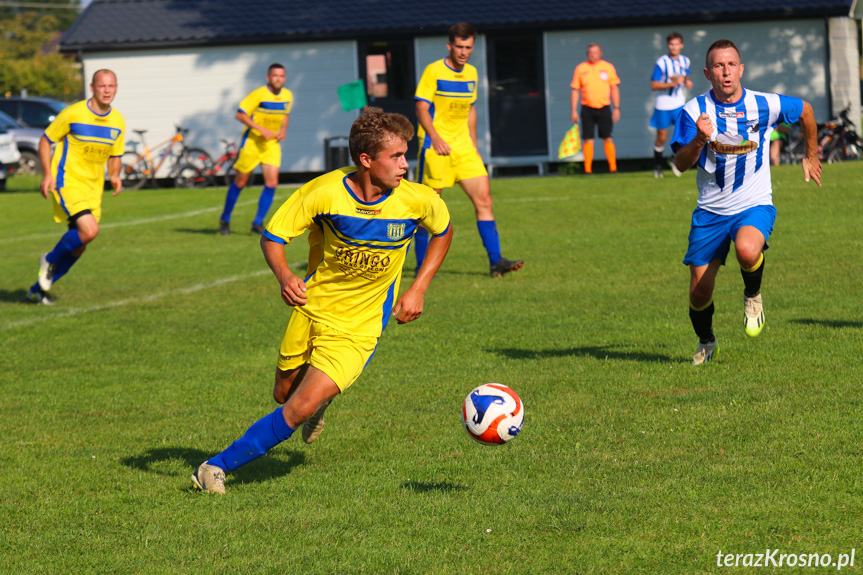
(29, 57)
(162, 345)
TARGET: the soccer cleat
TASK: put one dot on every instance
(505, 266)
(657, 173)
(257, 229)
(209, 479)
(705, 352)
(314, 425)
(674, 168)
(46, 273)
(753, 315)
(38, 296)
(224, 228)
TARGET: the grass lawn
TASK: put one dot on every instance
(162, 345)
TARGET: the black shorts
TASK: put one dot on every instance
(591, 118)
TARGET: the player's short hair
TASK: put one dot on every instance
(274, 66)
(592, 44)
(461, 30)
(102, 71)
(673, 36)
(373, 131)
(720, 45)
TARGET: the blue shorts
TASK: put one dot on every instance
(661, 119)
(711, 235)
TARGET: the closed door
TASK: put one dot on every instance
(517, 96)
(387, 68)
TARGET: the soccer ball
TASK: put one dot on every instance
(492, 414)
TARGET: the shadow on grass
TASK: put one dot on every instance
(834, 323)
(14, 296)
(182, 461)
(595, 351)
(427, 487)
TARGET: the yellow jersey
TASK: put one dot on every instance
(451, 95)
(85, 140)
(356, 248)
(267, 109)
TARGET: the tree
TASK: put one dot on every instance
(29, 56)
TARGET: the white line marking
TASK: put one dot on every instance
(166, 217)
(134, 222)
(131, 301)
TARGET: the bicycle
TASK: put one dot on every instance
(838, 140)
(192, 176)
(139, 169)
(794, 149)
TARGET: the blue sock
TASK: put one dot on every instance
(264, 203)
(491, 241)
(421, 244)
(70, 242)
(230, 200)
(61, 267)
(263, 435)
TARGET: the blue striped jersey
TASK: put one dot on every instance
(451, 95)
(85, 140)
(356, 248)
(666, 69)
(267, 109)
(734, 167)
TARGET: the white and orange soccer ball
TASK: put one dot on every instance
(492, 414)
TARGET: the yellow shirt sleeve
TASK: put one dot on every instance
(436, 217)
(59, 128)
(120, 143)
(250, 103)
(428, 85)
(294, 217)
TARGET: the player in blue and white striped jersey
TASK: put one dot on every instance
(726, 133)
(670, 77)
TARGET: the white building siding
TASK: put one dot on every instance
(201, 88)
(788, 57)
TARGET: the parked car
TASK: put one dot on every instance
(32, 112)
(27, 140)
(9, 156)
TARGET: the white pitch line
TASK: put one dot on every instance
(109, 225)
(135, 300)
(166, 217)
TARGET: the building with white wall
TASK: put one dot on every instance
(189, 62)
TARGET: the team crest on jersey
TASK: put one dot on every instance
(603, 76)
(395, 231)
(114, 134)
(471, 86)
(734, 144)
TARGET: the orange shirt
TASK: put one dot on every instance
(595, 82)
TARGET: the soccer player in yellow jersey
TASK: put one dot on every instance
(448, 153)
(265, 113)
(361, 221)
(87, 135)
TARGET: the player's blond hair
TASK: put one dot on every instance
(373, 131)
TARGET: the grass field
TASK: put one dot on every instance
(162, 345)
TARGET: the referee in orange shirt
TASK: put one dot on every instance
(596, 81)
